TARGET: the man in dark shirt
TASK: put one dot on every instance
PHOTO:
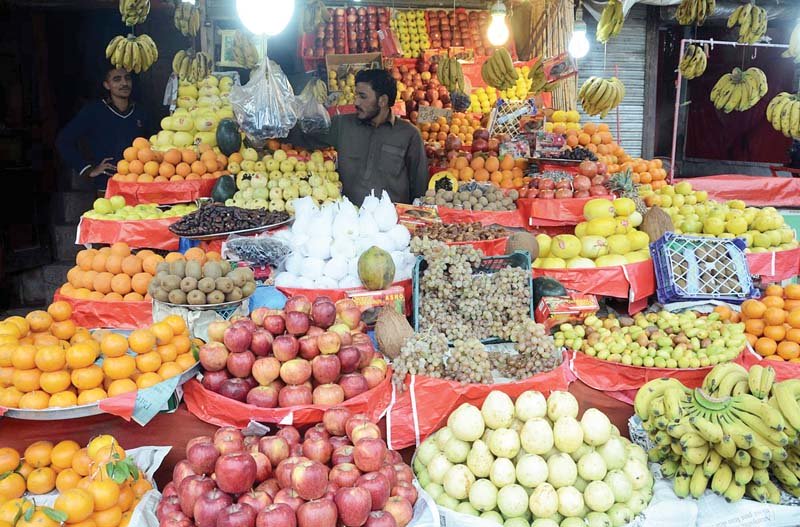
(100, 132)
(376, 150)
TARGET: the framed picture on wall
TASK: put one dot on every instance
(226, 48)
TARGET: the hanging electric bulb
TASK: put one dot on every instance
(578, 45)
(497, 33)
(265, 17)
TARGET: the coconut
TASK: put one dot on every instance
(655, 223)
(391, 331)
(523, 241)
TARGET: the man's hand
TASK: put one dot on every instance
(104, 168)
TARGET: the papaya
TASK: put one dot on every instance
(229, 140)
(224, 189)
(376, 268)
(444, 180)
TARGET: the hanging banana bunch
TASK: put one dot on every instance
(783, 113)
(694, 11)
(599, 96)
(611, 20)
(314, 15)
(694, 62)
(451, 75)
(739, 90)
(187, 19)
(135, 54)
(244, 51)
(537, 77)
(191, 66)
(752, 22)
(134, 11)
(498, 70)
(794, 45)
(317, 89)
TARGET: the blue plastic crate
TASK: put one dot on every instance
(489, 264)
(700, 268)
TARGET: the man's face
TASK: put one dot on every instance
(118, 83)
(366, 103)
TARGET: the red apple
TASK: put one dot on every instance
(323, 314)
(263, 466)
(251, 443)
(275, 448)
(266, 369)
(290, 497)
(581, 194)
(319, 450)
(353, 384)
(167, 505)
(401, 509)
(317, 431)
(388, 471)
(308, 347)
(236, 473)
(257, 499)
(263, 397)
(297, 395)
(354, 421)
(339, 441)
(169, 490)
(261, 343)
(546, 194)
(317, 513)
(326, 368)
(290, 434)
(373, 376)
(563, 193)
(212, 380)
(598, 190)
(296, 451)
(295, 371)
(235, 389)
(216, 330)
(329, 343)
(406, 490)
(270, 486)
(327, 395)
(298, 303)
(344, 474)
(351, 316)
(191, 488)
(354, 505)
(283, 472)
(314, 331)
(378, 487)
(213, 356)
(210, 505)
(181, 471)
(349, 358)
(309, 479)
(403, 472)
(241, 364)
(297, 322)
(342, 454)
(380, 519)
(276, 515)
(365, 353)
(237, 515)
(334, 419)
(202, 456)
(175, 519)
(274, 324)
(368, 454)
(237, 338)
(257, 315)
(228, 440)
(285, 347)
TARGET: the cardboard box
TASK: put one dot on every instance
(371, 302)
(573, 308)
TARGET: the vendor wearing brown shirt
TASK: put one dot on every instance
(377, 151)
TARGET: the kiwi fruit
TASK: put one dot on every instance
(196, 297)
(194, 270)
(238, 277)
(162, 267)
(224, 284)
(188, 284)
(176, 296)
(171, 282)
(212, 270)
(234, 295)
(161, 295)
(152, 286)
(247, 272)
(206, 285)
(215, 297)
(159, 277)
(248, 289)
(178, 268)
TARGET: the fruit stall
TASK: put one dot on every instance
(554, 333)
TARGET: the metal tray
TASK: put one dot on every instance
(77, 412)
(253, 230)
(204, 307)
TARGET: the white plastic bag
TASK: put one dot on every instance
(265, 107)
(313, 116)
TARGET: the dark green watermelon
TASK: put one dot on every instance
(229, 140)
(224, 189)
(546, 286)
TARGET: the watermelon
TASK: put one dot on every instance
(546, 286)
(224, 189)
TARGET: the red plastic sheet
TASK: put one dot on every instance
(150, 234)
(221, 411)
(506, 218)
(775, 266)
(339, 294)
(426, 403)
(756, 191)
(487, 247)
(121, 405)
(108, 314)
(553, 212)
(634, 281)
(161, 192)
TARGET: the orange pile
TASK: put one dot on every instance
(772, 324)
(86, 494)
(461, 125)
(506, 173)
(46, 361)
(142, 164)
(646, 172)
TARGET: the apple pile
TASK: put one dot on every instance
(307, 353)
(459, 28)
(340, 473)
(362, 28)
(589, 182)
(330, 37)
(418, 86)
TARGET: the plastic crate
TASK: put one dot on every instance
(698, 268)
(489, 264)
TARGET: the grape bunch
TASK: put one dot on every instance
(422, 354)
(536, 352)
(468, 362)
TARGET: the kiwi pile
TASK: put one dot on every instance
(193, 283)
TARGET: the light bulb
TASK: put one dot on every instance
(578, 44)
(497, 33)
(265, 17)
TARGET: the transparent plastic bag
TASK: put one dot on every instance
(265, 107)
(313, 116)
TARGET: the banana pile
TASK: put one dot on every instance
(739, 90)
(187, 19)
(135, 54)
(610, 23)
(134, 11)
(451, 75)
(727, 435)
(244, 51)
(498, 70)
(694, 62)
(599, 96)
(191, 66)
(317, 89)
(694, 11)
(752, 22)
(783, 112)
(314, 14)
(794, 45)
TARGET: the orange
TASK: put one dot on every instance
(774, 316)
(140, 281)
(41, 339)
(792, 291)
(88, 279)
(108, 518)
(121, 386)
(126, 497)
(105, 494)
(84, 258)
(793, 335)
(26, 380)
(140, 486)
(39, 320)
(774, 290)
(188, 155)
(81, 355)
(182, 170)
(169, 352)
(10, 509)
(141, 142)
(10, 397)
(121, 249)
(130, 153)
(67, 479)
(12, 486)
(199, 168)
(724, 312)
(119, 367)
(39, 519)
(92, 396)
(791, 304)
(99, 262)
(95, 295)
(102, 282)
(38, 454)
(169, 369)
(753, 309)
(172, 156)
(131, 265)
(765, 346)
(114, 263)
(141, 340)
(122, 167)
(147, 380)
(185, 361)
(113, 345)
(81, 462)
(150, 263)
(173, 257)
(177, 323)
(150, 361)
(789, 350)
(63, 330)
(62, 453)
(63, 399)
(113, 297)
(776, 333)
(77, 504)
(9, 459)
(24, 357)
(151, 168)
(793, 318)
(773, 301)
(87, 378)
(20, 322)
(98, 443)
(55, 381)
(136, 167)
(60, 310)
(50, 358)
(35, 400)
(754, 327)
(108, 454)
(163, 332)
(121, 284)
(42, 480)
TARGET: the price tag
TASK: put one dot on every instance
(151, 400)
(429, 114)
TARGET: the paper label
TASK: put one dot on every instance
(429, 114)
(151, 400)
